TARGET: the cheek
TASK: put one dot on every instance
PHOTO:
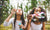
(39, 9)
(35, 12)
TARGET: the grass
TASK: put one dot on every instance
(47, 27)
(5, 27)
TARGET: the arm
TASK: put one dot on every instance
(28, 26)
(28, 23)
(43, 26)
(8, 20)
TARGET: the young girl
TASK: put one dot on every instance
(17, 22)
(37, 24)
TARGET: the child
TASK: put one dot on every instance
(37, 24)
(18, 22)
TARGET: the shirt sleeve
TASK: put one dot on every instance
(8, 23)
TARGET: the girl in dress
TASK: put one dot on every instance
(18, 22)
(35, 20)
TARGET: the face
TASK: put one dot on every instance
(19, 12)
(37, 11)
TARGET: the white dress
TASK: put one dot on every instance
(11, 21)
(35, 27)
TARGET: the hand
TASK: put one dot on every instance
(13, 11)
(29, 17)
(22, 26)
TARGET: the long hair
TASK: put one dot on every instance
(32, 12)
(22, 19)
(42, 10)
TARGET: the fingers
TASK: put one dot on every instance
(29, 18)
(14, 10)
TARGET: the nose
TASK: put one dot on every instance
(19, 10)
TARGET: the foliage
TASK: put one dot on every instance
(33, 3)
(4, 11)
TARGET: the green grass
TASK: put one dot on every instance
(5, 27)
(47, 27)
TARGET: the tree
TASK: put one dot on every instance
(26, 9)
(4, 10)
(33, 3)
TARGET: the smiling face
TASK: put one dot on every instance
(37, 11)
(19, 12)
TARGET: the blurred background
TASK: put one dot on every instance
(26, 6)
